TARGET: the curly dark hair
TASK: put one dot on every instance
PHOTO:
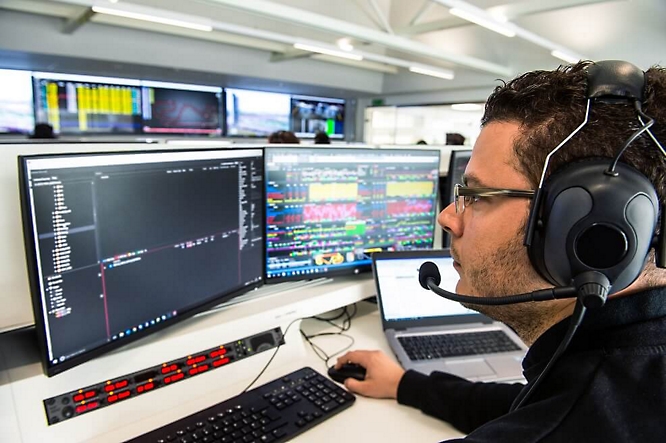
(283, 137)
(549, 105)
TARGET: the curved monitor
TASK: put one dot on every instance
(123, 244)
(328, 209)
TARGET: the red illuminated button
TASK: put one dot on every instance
(112, 398)
(123, 394)
(90, 394)
(177, 377)
(121, 384)
(78, 397)
(92, 405)
(81, 408)
(173, 378)
(108, 388)
(167, 369)
(145, 387)
(218, 353)
(194, 360)
(220, 362)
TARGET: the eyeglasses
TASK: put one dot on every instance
(464, 196)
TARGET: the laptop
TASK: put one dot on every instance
(428, 333)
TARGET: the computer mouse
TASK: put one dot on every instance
(348, 370)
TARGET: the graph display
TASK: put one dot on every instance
(310, 115)
(79, 104)
(329, 209)
(16, 114)
(173, 108)
(256, 113)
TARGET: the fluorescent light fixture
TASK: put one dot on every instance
(466, 107)
(325, 51)
(486, 22)
(151, 18)
(447, 75)
(567, 57)
(345, 44)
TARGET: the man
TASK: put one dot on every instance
(610, 383)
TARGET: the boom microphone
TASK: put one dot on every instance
(430, 278)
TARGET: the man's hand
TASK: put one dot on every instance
(382, 375)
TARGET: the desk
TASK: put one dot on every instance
(369, 420)
(23, 385)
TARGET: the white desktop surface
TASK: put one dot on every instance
(23, 386)
(368, 420)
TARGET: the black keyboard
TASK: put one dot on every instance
(274, 412)
(428, 347)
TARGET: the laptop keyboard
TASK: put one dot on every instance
(429, 347)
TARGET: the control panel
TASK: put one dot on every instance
(109, 392)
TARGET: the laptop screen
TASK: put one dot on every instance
(403, 298)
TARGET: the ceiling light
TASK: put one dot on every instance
(345, 44)
(567, 57)
(319, 50)
(448, 75)
(466, 107)
(486, 22)
(152, 18)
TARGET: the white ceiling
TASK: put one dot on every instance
(391, 35)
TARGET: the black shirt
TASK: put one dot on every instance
(609, 385)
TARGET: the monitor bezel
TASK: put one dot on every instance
(352, 269)
(456, 155)
(27, 217)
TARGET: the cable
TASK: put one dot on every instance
(272, 357)
(343, 311)
(634, 136)
(346, 324)
(576, 319)
(319, 352)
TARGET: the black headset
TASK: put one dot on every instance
(591, 224)
(594, 220)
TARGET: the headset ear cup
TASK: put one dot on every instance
(592, 221)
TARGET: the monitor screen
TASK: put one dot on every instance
(174, 108)
(457, 164)
(16, 112)
(310, 115)
(81, 104)
(122, 244)
(256, 113)
(328, 209)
